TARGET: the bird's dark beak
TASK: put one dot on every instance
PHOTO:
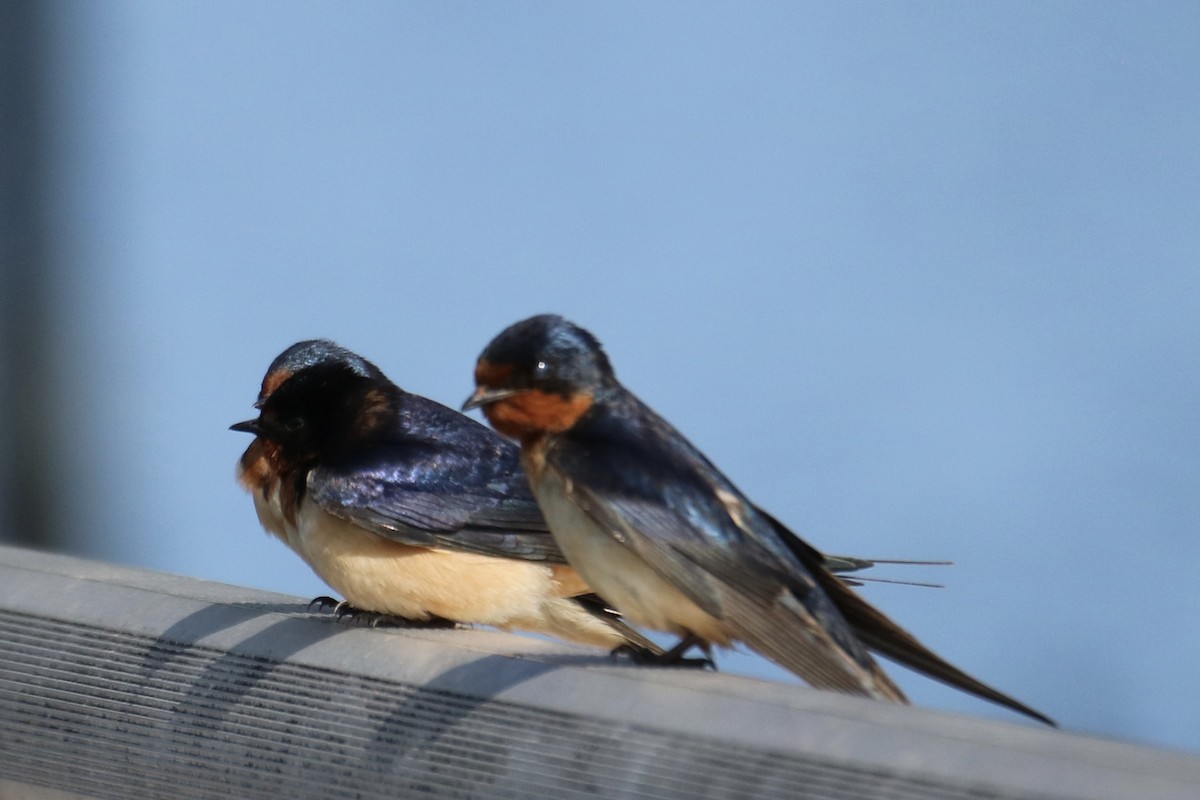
(249, 426)
(484, 396)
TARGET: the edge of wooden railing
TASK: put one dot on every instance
(118, 682)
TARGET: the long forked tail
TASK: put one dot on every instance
(885, 637)
(875, 630)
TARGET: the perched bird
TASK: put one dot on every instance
(653, 526)
(409, 508)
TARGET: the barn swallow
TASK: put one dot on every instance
(653, 526)
(409, 508)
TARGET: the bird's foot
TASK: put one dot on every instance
(671, 658)
(352, 615)
(323, 603)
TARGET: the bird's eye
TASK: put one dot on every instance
(293, 424)
(541, 370)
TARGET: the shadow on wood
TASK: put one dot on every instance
(120, 683)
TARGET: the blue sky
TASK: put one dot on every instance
(921, 278)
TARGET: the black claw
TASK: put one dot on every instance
(352, 615)
(671, 658)
(322, 604)
(638, 655)
(347, 612)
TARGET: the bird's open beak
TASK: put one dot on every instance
(249, 426)
(484, 396)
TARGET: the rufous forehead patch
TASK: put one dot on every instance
(273, 381)
(491, 375)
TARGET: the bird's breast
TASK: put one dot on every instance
(256, 476)
(380, 574)
(613, 569)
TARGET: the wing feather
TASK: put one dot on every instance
(445, 494)
(658, 496)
